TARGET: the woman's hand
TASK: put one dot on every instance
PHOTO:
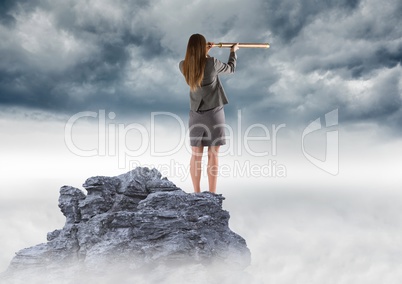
(209, 45)
(234, 47)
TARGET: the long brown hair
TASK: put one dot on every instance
(194, 62)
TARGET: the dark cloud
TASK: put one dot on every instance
(360, 64)
(287, 18)
(30, 84)
(7, 7)
(381, 57)
(383, 100)
(5, 18)
(388, 58)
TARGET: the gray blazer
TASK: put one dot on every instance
(211, 93)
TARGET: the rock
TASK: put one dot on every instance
(68, 203)
(134, 222)
(100, 198)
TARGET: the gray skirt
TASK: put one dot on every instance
(207, 128)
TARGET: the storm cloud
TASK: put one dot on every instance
(70, 56)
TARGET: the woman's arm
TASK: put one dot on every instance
(230, 67)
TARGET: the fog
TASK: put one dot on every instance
(307, 227)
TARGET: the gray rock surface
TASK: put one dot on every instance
(134, 222)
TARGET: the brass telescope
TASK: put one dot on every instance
(241, 45)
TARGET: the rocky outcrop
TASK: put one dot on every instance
(134, 222)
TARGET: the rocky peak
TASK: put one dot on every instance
(134, 221)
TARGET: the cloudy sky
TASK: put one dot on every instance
(334, 59)
(122, 56)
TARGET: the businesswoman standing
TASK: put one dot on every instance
(207, 97)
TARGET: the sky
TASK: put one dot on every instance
(123, 56)
(93, 88)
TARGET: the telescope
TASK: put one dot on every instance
(241, 45)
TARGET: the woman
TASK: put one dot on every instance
(207, 97)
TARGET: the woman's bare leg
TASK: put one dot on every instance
(196, 166)
(212, 168)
